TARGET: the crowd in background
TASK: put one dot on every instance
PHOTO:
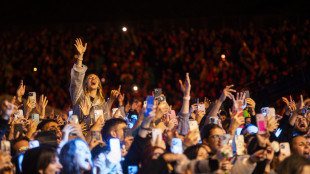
(251, 57)
(200, 118)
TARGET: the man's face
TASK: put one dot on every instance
(53, 126)
(301, 146)
(119, 132)
(214, 140)
(301, 124)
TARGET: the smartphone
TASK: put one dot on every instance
(6, 146)
(19, 114)
(95, 135)
(70, 113)
(115, 150)
(225, 139)
(34, 144)
(149, 105)
(132, 169)
(98, 113)
(201, 107)
(155, 133)
(144, 104)
(131, 120)
(239, 140)
(33, 98)
(176, 146)
(157, 92)
(161, 99)
(73, 119)
(285, 149)
(35, 117)
(271, 114)
(213, 120)
(263, 110)
(18, 128)
(47, 138)
(261, 124)
(278, 132)
(171, 114)
(114, 111)
(247, 93)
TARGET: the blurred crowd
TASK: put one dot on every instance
(191, 110)
(251, 57)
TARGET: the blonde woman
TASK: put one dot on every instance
(86, 94)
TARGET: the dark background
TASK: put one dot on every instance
(35, 12)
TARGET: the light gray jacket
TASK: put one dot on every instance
(78, 95)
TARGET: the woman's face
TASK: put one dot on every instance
(92, 82)
(83, 156)
(202, 154)
(53, 167)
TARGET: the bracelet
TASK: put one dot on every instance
(187, 98)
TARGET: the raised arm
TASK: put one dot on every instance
(299, 108)
(226, 93)
(81, 50)
(183, 126)
(77, 73)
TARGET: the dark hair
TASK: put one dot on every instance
(292, 164)
(148, 154)
(44, 122)
(15, 141)
(38, 158)
(100, 148)
(206, 131)
(292, 139)
(108, 126)
(192, 151)
(67, 157)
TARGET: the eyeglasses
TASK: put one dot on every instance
(215, 136)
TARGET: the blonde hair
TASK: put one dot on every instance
(99, 89)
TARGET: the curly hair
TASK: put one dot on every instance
(67, 158)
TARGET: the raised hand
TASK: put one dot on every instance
(291, 105)
(237, 120)
(121, 97)
(8, 109)
(227, 92)
(5, 161)
(192, 138)
(32, 129)
(250, 103)
(84, 107)
(239, 101)
(40, 107)
(186, 86)
(20, 91)
(207, 103)
(115, 93)
(79, 46)
(98, 125)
